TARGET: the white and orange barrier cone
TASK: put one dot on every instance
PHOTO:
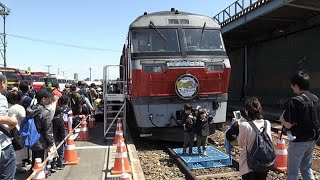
(84, 133)
(38, 167)
(92, 120)
(281, 154)
(70, 154)
(121, 162)
(125, 176)
(119, 133)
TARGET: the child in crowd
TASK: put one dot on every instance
(67, 112)
(59, 135)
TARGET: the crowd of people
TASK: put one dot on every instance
(300, 119)
(54, 112)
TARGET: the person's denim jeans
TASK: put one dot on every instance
(300, 158)
(8, 163)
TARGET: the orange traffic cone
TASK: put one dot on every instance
(92, 120)
(70, 154)
(119, 133)
(38, 167)
(125, 176)
(121, 162)
(84, 133)
(281, 154)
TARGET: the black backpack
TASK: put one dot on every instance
(261, 156)
(17, 139)
(312, 105)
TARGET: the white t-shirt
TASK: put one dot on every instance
(245, 140)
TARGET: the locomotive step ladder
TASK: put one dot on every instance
(114, 96)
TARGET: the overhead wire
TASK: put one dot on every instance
(60, 43)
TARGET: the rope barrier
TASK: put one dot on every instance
(83, 117)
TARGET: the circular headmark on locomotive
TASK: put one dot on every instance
(187, 86)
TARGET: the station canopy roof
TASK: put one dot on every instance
(269, 20)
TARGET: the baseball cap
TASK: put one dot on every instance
(43, 93)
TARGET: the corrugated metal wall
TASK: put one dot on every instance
(271, 64)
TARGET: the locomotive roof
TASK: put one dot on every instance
(161, 19)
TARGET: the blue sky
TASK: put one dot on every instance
(96, 23)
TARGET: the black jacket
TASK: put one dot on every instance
(58, 128)
(43, 124)
(202, 127)
(189, 122)
(297, 114)
(189, 125)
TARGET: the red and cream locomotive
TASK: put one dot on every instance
(172, 58)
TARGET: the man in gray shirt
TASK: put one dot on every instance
(7, 153)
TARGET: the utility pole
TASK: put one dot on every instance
(49, 68)
(4, 12)
(58, 71)
(62, 73)
(90, 72)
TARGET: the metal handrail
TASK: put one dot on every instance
(236, 8)
(107, 125)
(114, 119)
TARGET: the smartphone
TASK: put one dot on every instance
(237, 114)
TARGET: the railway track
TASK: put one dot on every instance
(159, 161)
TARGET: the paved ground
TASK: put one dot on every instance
(92, 160)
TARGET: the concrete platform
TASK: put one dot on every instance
(96, 160)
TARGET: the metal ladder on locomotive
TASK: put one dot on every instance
(114, 102)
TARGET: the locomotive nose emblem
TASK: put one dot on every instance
(187, 86)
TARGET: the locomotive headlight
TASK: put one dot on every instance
(153, 68)
(215, 67)
(157, 69)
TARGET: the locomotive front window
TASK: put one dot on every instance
(27, 78)
(149, 40)
(11, 76)
(61, 81)
(51, 80)
(202, 40)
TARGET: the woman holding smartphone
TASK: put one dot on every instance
(247, 136)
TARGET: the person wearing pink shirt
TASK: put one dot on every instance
(247, 136)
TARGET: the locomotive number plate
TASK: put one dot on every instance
(185, 64)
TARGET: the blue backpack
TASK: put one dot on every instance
(29, 132)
